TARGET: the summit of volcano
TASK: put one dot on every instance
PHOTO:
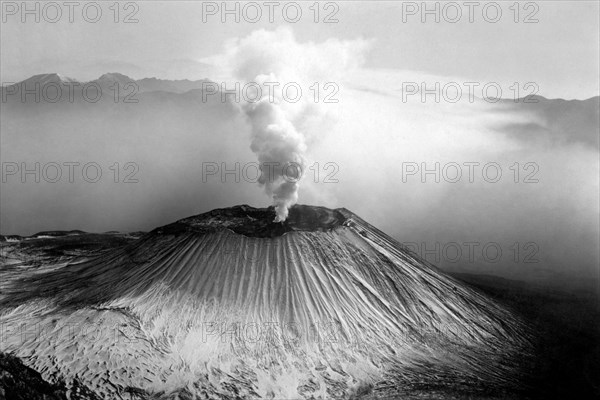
(229, 304)
(259, 222)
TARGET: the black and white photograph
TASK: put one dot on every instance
(299, 200)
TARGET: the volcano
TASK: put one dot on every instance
(229, 304)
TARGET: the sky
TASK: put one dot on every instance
(178, 40)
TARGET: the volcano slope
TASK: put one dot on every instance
(229, 304)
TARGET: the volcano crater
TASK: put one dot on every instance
(259, 222)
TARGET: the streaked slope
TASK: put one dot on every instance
(230, 304)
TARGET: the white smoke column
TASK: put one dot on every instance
(279, 125)
(280, 149)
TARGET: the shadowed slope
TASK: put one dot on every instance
(230, 302)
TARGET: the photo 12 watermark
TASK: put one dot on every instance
(69, 91)
(470, 172)
(69, 172)
(453, 12)
(271, 91)
(255, 172)
(454, 92)
(53, 12)
(247, 333)
(471, 252)
(252, 12)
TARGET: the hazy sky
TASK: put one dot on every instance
(170, 40)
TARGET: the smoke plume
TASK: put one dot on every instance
(285, 106)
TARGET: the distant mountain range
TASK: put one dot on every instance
(106, 82)
(556, 119)
(535, 118)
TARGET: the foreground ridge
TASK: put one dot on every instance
(229, 303)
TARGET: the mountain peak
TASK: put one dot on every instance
(114, 77)
(47, 78)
